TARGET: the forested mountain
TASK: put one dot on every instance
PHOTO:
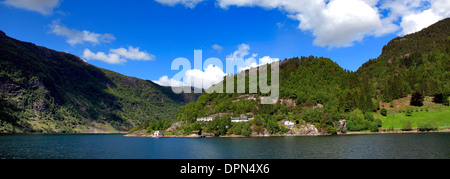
(42, 90)
(416, 62)
(318, 91)
(312, 90)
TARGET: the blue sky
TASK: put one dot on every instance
(142, 38)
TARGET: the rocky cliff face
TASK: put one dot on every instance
(342, 128)
(308, 130)
(175, 126)
(264, 133)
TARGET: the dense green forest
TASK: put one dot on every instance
(318, 91)
(417, 62)
(48, 91)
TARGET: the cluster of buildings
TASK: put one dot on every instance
(205, 119)
(242, 119)
(233, 119)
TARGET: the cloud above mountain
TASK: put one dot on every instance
(45, 7)
(75, 36)
(202, 79)
(341, 23)
(213, 74)
(118, 56)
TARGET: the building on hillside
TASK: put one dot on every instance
(239, 119)
(157, 134)
(289, 124)
(205, 119)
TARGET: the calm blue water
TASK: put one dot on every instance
(119, 147)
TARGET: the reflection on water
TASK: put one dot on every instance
(116, 146)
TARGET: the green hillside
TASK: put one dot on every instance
(416, 62)
(318, 91)
(42, 90)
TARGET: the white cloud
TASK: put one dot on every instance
(165, 81)
(267, 60)
(387, 27)
(210, 76)
(417, 15)
(241, 52)
(186, 3)
(79, 37)
(334, 23)
(343, 22)
(217, 47)
(196, 78)
(204, 79)
(416, 22)
(340, 23)
(44, 7)
(115, 55)
(133, 53)
(214, 74)
(250, 62)
(110, 58)
(411, 15)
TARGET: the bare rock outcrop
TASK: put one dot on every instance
(288, 102)
(342, 124)
(175, 125)
(139, 133)
(308, 130)
(264, 133)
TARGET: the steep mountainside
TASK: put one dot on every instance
(42, 90)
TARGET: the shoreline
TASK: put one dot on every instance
(283, 135)
(397, 132)
(237, 136)
(41, 133)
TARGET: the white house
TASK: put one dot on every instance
(289, 124)
(157, 133)
(238, 119)
(205, 119)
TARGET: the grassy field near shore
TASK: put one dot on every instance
(397, 120)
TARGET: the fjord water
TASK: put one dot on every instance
(90, 146)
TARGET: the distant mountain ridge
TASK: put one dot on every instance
(42, 90)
